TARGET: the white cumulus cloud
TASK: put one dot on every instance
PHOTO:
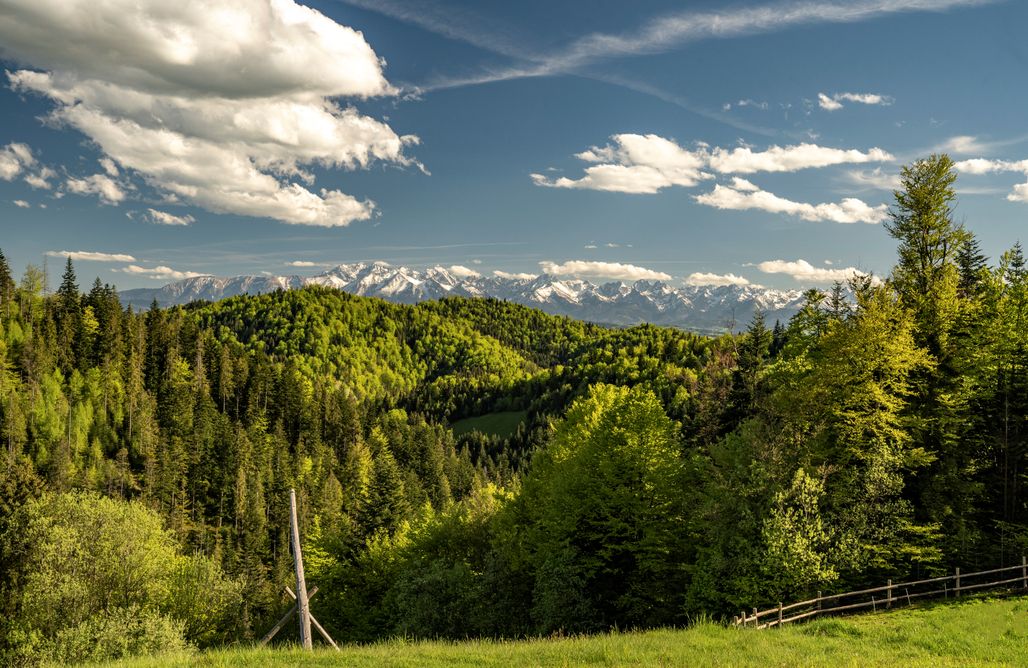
(641, 164)
(107, 189)
(164, 218)
(702, 278)
(14, 158)
(160, 272)
(803, 271)
(978, 166)
(514, 276)
(742, 195)
(744, 160)
(224, 105)
(461, 271)
(609, 270)
(834, 102)
(92, 256)
(303, 263)
(646, 164)
(21, 204)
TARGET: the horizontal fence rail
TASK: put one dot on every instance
(885, 597)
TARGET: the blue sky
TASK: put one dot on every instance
(702, 141)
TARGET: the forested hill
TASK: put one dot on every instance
(651, 475)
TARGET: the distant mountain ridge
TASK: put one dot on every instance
(701, 308)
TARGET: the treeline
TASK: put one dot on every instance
(658, 476)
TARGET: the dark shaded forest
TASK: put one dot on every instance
(658, 476)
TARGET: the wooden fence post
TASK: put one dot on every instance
(1024, 571)
(756, 622)
(779, 614)
(958, 582)
(888, 598)
(819, 602)
(302, 605)
(743, 617)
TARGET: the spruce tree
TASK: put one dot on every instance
(6, 285)
(971, 264)
(68, 293)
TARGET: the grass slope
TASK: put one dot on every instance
(501, 424)
(973, 633)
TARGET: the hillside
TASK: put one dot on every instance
(698, 308)
(978, 633)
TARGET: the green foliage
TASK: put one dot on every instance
(601, 509)
(85, 563)
(470, 467)
(113, 635)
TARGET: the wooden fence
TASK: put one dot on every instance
(885, 597)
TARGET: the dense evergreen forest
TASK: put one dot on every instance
(658, 475)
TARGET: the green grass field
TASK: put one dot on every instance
(974, 633)
(500, 424)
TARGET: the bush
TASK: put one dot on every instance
(93, 571)
(114, 635)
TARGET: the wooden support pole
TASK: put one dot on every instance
(278, 627)
(324, 633)
(819, 602)
(779, 613)
(314, 622)
(302, 604)
(958, 581)
(1024, 571)
(286, 617)
(756, 622)
(888, 598)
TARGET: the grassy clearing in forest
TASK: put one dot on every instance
(500, 424)
(979, 632)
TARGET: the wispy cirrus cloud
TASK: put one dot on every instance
(658, 35)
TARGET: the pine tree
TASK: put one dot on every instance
(68, 293)
(971, 263)
(1014, 264)
(6, 286)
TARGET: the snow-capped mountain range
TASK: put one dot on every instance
(701, 308)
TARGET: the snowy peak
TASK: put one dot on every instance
(702, 308)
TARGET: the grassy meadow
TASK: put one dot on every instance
(980, 632)
(501, 424)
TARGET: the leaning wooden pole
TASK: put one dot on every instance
(302, 604)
